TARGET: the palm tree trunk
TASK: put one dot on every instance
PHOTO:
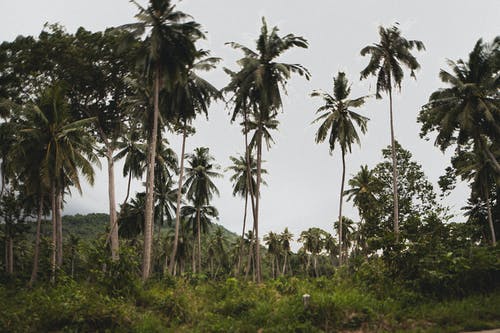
(340, 207)
(242, 234)
(34, 271)
(257, 200)
(128, 188)
(59, 228)
(284, 264)
(113, 221)
(150, 181)
(10, 255)
(178, 208)
(198, 229)
(490, 218)
(394, 171)
(54, 231)
(193, 256)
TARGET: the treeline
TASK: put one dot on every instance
(69, 101)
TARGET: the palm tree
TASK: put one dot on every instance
(387, 58)
(187, 100)
(134, 152)
(68, 152)
(285, 238)
(241, 187)
(199, 185)
(272, 241)
(338, 123)
(257, 88)
(313, 240)
(347, 226)
(363, 187)
(171, 50)
(469, 108)
(475, 166)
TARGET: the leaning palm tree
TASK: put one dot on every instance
(199, 185)
(171, 51)
(387, 58)
(338, 124)
(257, 88)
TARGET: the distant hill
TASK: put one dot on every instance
(89, 226)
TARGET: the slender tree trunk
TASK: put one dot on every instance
(128, 188)
(394, 171)
(178, 208)
(10, 256)
(198, 227)
(54, 232)
(340, 207)
(113, 221)
(257, 201)
(308, 264)
(315, 261)
(242, 234)
(59, 228)
(251, 191)
(34, 271)
(193, 256)
(150, 181)
(490, 218)
(284, 264)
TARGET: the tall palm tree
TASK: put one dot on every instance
(198, 219)
(200, 187)
(68, 152)
(187, 100)
(171, 51)
(257, 87)
(338, 124)
(347, 226)
(241, 186)
(386, 60)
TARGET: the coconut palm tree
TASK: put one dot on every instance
(469, 109)
(241, 187)
(272, 241)
(68, 152)
(313, 240)
(347, 226)
(186, 101)
(171, 51)
(285, 238)
(257, 88)
(338, 124)
(199, 185)
(387, 58)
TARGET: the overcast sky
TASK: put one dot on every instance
(303, 180)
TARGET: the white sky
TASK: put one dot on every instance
(304, 180)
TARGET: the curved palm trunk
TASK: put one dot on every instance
(34, 272)
(394, 171)
(178, 208)
(150, 180)
(128, 188)
(198, 227)
(257, 199)
(340, 207)
(113, 221)
(490, 219)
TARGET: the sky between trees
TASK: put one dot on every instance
(303, 179)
